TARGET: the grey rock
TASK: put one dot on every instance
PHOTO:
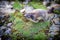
(1, 32)
(9, 24)
(8, 31)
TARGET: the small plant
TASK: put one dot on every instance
(57, 11)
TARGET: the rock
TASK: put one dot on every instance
(47, 2)
(51, 38)
(54, 29)
(12, 2)
(1, 32)
(1, 23)
(8, 38)
(6, 7)
(8, 31)
(26, 1)
(3, 27)
(9, 24)
(2, 4)
(8, 10)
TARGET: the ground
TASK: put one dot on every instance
(27, 28)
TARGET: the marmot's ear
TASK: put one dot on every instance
(22, 11)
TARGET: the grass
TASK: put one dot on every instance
(37, 5)
(29, 29)
(17, 6)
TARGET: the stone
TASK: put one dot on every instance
(1, 32)
(9, 24)
(8, 31)
(6, 7)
